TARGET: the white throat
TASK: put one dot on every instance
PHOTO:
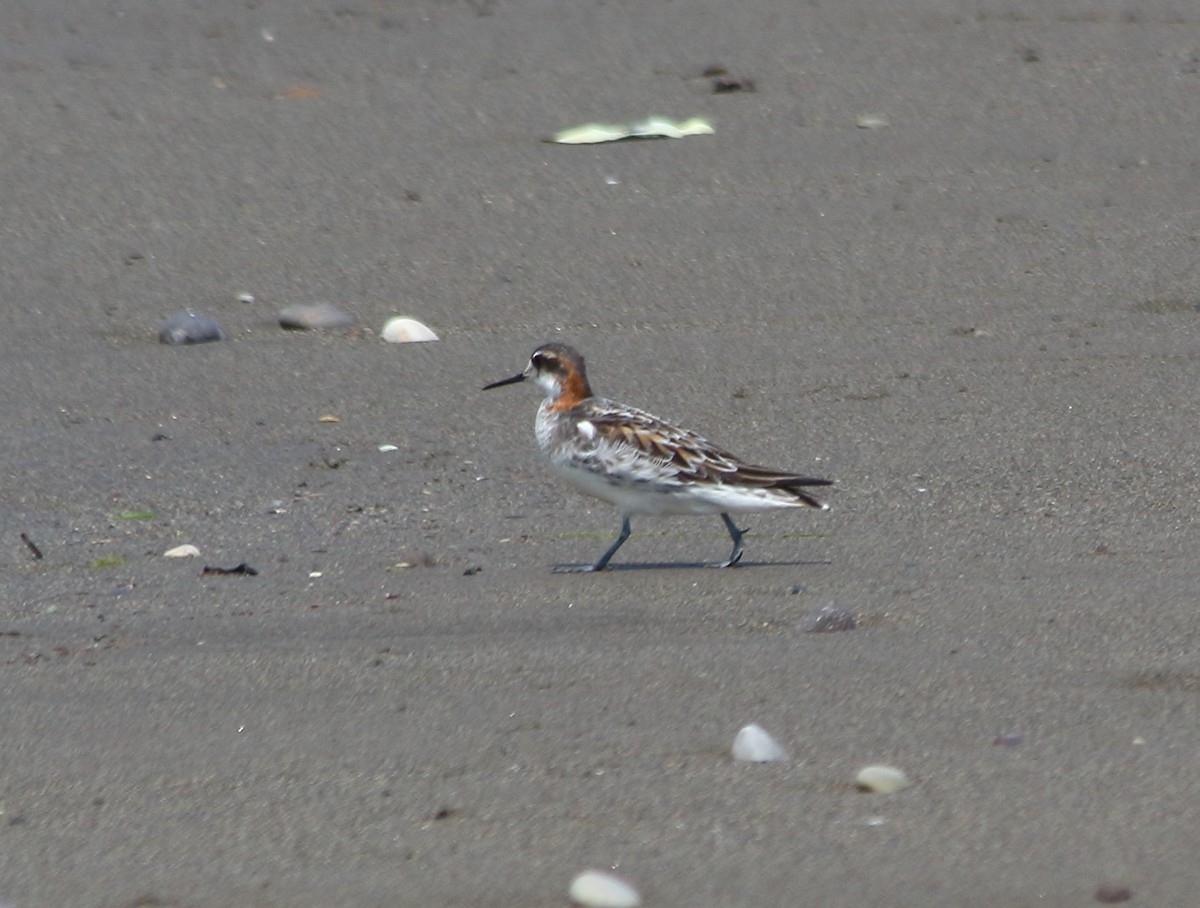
(548, 383)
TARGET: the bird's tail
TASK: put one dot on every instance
(796, 484)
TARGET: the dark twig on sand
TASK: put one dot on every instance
(37, 553)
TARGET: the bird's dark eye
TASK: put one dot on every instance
(544, 361)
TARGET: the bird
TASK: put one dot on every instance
(643, 464)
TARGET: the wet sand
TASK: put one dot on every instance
(980, 318)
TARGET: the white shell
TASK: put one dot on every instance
(754, 745)
(882, 779)
(407, 331)
(597, 889)
(182, 551)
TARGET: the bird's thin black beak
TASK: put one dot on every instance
(520, 376)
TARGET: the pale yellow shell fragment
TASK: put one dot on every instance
(590, 133)
(882, 779)
(662, 127)
(650, 128)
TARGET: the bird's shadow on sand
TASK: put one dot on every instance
(680, 566)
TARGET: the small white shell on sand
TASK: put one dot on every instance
(407, 331)
(597, 889)
(882, 779)
(754, 745)
(388, 448)
(182, 551)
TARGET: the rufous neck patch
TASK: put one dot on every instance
(573, 388)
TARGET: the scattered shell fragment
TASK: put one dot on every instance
(387, 448)
(882, 779)
(827, 619)
(310, 316)
(407, 331)
(182, 551)
(754, 745)
(655, 127)
(189, 327)
(871, 121)
(245, 297)
(591, 133)
(597, 889)
(650, 128)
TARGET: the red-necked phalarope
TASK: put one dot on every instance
(640, 463)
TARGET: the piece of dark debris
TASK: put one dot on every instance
(722, 81)
(242, 568)
(722, 85)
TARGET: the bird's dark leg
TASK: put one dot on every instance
(602, 561)
(736, 535)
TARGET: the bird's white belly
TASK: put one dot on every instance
(645, 496)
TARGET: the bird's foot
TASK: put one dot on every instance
(732, 562)
(576, 569)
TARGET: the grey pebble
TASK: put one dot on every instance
(307, 316)
(189, 327)
(826, 619)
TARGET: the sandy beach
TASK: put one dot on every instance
(947, 253)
